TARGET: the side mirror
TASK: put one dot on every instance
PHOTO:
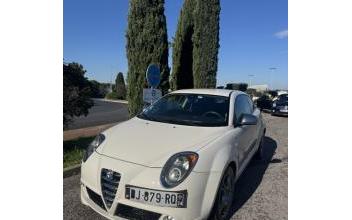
(248, 119)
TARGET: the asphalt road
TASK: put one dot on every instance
(261, 192)
(102, 112)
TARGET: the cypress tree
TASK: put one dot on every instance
(206, 43)
(146, 43)
(196, 45)
(120, 86)
(182, 59)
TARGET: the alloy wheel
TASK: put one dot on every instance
(226, 194)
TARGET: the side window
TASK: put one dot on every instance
(241, 107)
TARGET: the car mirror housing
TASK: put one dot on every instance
(248, 119)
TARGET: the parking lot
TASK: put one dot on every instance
(261, 191)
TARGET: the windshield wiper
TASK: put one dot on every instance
(182, 122)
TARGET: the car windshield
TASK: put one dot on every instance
(189, 109)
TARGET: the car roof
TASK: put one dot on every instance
(219, 92)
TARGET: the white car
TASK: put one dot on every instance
(178, 159)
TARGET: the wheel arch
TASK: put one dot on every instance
(208, 204)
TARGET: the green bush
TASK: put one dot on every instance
(97, 89)
(120, 86)
(73, 150)
(112, 95)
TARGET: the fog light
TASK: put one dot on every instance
(168, 218)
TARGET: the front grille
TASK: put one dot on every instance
(132, 213)
(109, 184)
(95, 198)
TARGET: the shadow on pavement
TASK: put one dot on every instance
(280, 116)
(253, 175)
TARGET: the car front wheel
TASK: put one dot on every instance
(225, 196)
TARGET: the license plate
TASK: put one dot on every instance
(176, 199)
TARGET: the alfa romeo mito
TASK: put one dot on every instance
(179, 158)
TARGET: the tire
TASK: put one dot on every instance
(224, 198)
(259, 155)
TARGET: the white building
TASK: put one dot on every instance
(259, 88)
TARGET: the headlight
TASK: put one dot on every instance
(274, 104)
(93, 146)
(177, 168)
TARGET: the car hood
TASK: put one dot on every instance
(151, 143)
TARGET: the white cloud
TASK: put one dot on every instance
(281, 34)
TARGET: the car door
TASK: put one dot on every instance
(256, 129)
(244, 140)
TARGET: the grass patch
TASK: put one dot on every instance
(73, 150)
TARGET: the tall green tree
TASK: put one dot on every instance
(120, 86)
(206, 43)
(196, 45)
(182, 58)
(146, 43)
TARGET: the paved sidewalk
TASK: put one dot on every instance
(110, 100)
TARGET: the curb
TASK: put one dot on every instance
(111, 100)
(266, 111)
(72, 170)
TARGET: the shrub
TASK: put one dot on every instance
(120, 86)
(97, 89)
(112, 95)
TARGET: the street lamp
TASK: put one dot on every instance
(250, 79)
(272, 70)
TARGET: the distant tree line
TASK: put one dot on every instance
(98, 89)
(237, 86)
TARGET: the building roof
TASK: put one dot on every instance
(220, 92)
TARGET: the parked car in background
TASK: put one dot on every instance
(178, 159)
(255, 98)
(264, 102)
(280, 106)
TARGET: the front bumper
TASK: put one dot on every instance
(201, 189)
(279, 111)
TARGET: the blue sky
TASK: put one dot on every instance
(253, 38)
